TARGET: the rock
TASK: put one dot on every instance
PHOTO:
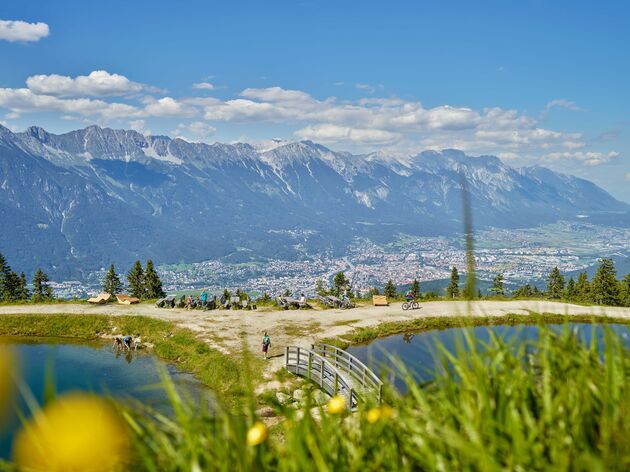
(266, 412)
(282, 398)
(299, 395)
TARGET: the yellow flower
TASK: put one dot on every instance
(7, 366)
(256, 434)
(375, 414)
(336, 405)
(78, 432)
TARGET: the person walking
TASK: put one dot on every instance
(266, 342)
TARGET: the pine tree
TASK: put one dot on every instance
(320, 289)
(569, 291)
(582, 288)
(23, 293)
(479, 293)
(555, 284)
(390, 289)
(152, 282)
(9, 281)
(524, 291)
(497, 285)
(41, 289)
(340, 283)
(452, 291)
(604, 287)
(112, 283)
(415, 288)
(135, 278)
(624, 290)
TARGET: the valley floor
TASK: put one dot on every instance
(230, 331)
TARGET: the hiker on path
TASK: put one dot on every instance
(266, 342)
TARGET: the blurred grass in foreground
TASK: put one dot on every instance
(549, 404)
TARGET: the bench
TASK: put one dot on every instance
(379, 300)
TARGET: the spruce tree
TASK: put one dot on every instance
(415, 288)
(497, 285)
(390, 289)
(582, 288)
(479, 293)
(112, 283)
(452, 291)
(152, 282)
(23, 293)
(9, 281)
(135, 279)
(524, 291)
(624, 290)
(555, 284)
(41, 289)
(569, 291)
(604, 287)
(320, 289)
(340, 283)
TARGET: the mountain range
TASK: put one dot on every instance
(72, 203)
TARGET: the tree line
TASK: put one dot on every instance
(143, 283)
(13, 287)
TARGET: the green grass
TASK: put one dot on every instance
(549, 404)
(220, 372)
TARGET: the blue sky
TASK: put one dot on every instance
(535, 82)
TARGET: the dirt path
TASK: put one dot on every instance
(228, 331)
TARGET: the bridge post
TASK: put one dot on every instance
(321, 372)
(286, 358)
(310, 363)
(336, 382)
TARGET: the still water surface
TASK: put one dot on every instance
(418, 352)
(93, 368)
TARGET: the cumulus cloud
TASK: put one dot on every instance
(168, 106)
(140, 126)
(332, 133)
(23, 100)
(17, 30)
(97, 83)
(197, 130)
(366, 124)
(203, 86)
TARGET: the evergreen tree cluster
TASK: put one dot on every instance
(13, 287)
(604, 289)
(144, 283)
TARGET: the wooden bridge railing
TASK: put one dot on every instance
(310, 365)
(335, 371)
(356, 371)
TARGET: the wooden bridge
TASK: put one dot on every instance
(335, 371)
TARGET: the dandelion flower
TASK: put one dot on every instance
(78, 432)
(257, 434)
(336, 405)
(373, 415)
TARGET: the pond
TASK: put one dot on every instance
(418, 351)
(93, 368)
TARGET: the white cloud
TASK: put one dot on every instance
(25, 101)
(97, 83)
(203, 86)
(140, 126)
(332, 133)
(197, 129)
(367, 87)
(589, 158)
(168, 106)
(16, 30)
(563, 103)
